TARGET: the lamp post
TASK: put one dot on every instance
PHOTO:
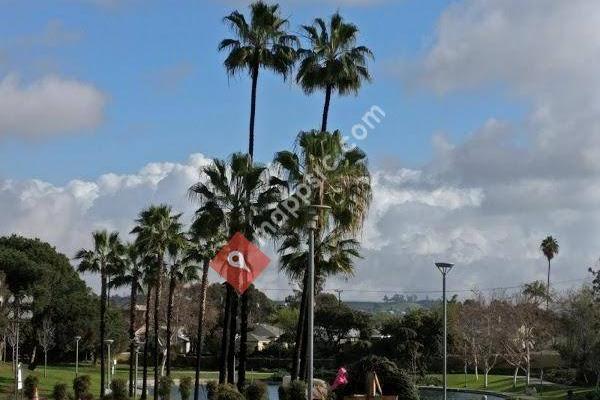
(135, 380)
(314, 220)
(444, 269)
(77, 339)
(108, 343)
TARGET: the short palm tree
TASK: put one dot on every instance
(130, 274)
(237, 195)
(260, 43)
(340, 179)
(157, 227)
(549, 247)
(333, 63)
(181, 271)
(205, 242)
(105, 255)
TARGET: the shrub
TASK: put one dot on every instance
(393, 380)
(228, 392)
(164, 387)
(81, 387)
(296, 390)
(211, 390)
(429, 380)
(30, 386)
(60, 392)
(257, 391)
(282, 391)
(185, 388)
(562, 376)
(119, 390)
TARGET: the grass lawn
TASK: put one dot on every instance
(66, 373)
(504, 384)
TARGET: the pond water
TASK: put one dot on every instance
(424, 394)
(438, 394)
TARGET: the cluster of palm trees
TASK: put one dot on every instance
(334, 63)
(162, 251)
(239, 195)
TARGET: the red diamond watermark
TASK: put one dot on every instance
(240, 262)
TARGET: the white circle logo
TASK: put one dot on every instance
(236, 260)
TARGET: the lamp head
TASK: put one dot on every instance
(78, 338)
(444, 267)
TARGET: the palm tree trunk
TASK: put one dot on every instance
(243, 342)
(132, 344)
(157, 293)
(172, 286)
(225, 337)
(300, 330)
(102, 329)
(200, 338)
(548, 287)
(328, 91)
(252, 111)
(232, 333)
(146, 340)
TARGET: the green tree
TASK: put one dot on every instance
(157, 228)
(106, 253)
(338, 178)
(261, 43)
(237, 196)
(333, 63)
(549, 247)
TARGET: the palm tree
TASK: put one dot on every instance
(157, 228)
(130, 275)
(262, 42)
(549, 247)
(205, 242)
(333, 62)
(149, 279)
(340, 179)
(180, 271)
(237, 196)
(104, 256)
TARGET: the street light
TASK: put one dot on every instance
(108, 343)
(444, 269)
(137, 354)
(77, 339)
(314, 220)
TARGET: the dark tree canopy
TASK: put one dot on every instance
(34, 268)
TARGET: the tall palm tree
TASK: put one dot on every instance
(130, 275)
(549, 247)
(105, 255)
(340, 179)
(238, 196)
(333, 63)
(261, 43)
(180, 271)
(205, 241)
(157, 227)
(149, 279)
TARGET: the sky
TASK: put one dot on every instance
(489, 143)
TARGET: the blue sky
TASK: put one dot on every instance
(168, 95)
(491, 139)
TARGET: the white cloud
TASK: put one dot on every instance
(51, 105)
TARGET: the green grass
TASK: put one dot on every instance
(66, 374)
(504, 384)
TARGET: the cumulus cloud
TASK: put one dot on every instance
(416, 219)
(50, 105)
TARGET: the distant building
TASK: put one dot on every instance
(262, 335)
